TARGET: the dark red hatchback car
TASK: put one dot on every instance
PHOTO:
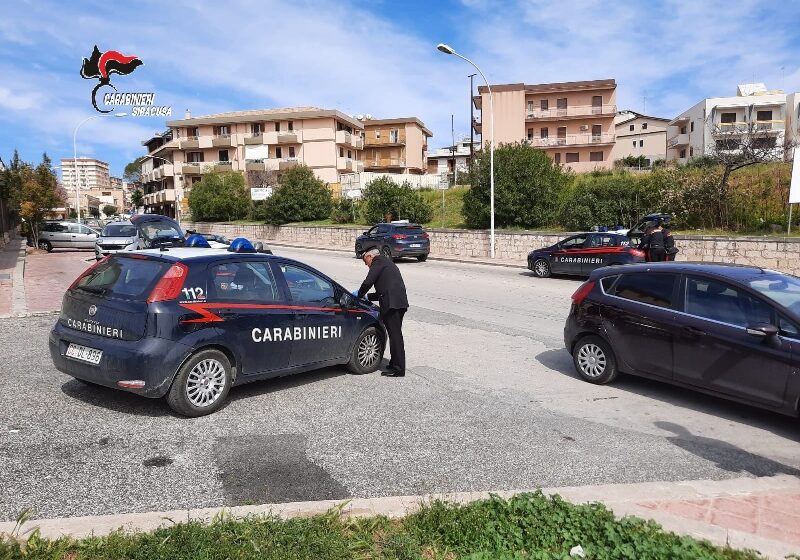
(730, 331)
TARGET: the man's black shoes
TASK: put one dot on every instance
(393, 373)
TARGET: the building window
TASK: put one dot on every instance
(561, 105)
(349, 154)
(255, 128)
(683, 130)
(394, 136)
(378, 134)
(291, 125)
(530, 134)
(595, 156)
(278, 152)
(194, 132)
(341, 151)
(530, 106)
(573, 157)
(277, 126)
(544, 132)
(196, 180)
(558, 157)
(634, 143)
(223, 130)
(562, 135)
(597, 133)
(631, 128)
(691, 151)
(291, 151)
(597, 104)
(195, 157)
(683, 153)
(727, 118)
(641, 143)
(644, 126)
(691, 126)
(223, 155)
(544, 104)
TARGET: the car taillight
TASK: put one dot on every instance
(581, 293)
(425, 236)
(399, 236)
(88, 271)
(637, 253)
(170, 284)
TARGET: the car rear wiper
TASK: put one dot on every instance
(94, 289)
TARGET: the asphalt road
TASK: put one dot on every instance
(490, 402)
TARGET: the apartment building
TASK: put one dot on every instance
(638, 135)
(92, 174)
(260, 143)
(716, 123)
(396, 145)
(573, 122)
(450, 159)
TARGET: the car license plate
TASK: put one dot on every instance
(84, 353)
(416, 245)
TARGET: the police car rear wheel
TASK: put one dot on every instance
(367, 352)
(541, 268)
(594, 360)
(202, 384)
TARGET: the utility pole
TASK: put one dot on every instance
(471, 127)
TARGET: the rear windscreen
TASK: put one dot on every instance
(119, 230)
(123, 278)
(409, 229)
(161, 229)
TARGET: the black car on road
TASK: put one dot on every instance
(582, 253)
(189, 323)
(395, 240)
(730, 331)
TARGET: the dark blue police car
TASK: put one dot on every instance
(582, 253)
(189, 323)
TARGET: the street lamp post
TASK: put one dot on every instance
(75, 158)
(446, 49)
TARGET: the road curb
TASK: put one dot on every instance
(430, 257)
(623, 499)
(19, 305)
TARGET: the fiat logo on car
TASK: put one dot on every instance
(92, 311)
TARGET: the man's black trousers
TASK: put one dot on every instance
(393, 321)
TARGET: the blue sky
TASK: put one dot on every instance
(374, 57)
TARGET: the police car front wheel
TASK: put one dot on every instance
(367, 352)
(202, 384)
(541, 268)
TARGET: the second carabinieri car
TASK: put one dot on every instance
(189, 323)
(581, 254)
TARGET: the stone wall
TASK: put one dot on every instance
(776, 253)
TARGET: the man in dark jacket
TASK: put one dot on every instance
(653, 242)
(390, 291)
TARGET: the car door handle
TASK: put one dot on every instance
(692, 331)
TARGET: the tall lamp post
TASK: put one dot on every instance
(447, 49)
(75, 158)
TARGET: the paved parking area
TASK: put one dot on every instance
(48, 275)
(491, 402)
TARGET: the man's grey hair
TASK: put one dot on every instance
(371, 253)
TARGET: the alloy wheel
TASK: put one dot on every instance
(592, 360)
(541, 268)
(205, 383)
(369, 350)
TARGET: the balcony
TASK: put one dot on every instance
(171, 145)
(770, 126)
(730, 128)
(190, 142)
(349, 139)
(255, 138)
(256, 166)
(572, 140)
(287, 163)
(222, 141)
(384, 163)
(385, 141)
(166, 170)
(572, 111)
(678, 140)
(292, 137)
(349, 164)
(222, 166)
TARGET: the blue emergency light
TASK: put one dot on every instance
(241, 245)
(197, 240)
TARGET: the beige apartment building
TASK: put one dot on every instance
(573, 122)
(396, 145)
(260, 143)
(92, 174)
(639, 135)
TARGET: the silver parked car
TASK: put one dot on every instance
(67, 235)
(116, 237)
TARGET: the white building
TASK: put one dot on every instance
(714, 122)
(445, 160)
(639, 135)
(92, 173)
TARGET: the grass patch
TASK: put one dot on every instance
(528, 526)
(453, 203)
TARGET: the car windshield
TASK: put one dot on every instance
(160, 229)
(780, 288)
(119, 230)
(123, 278)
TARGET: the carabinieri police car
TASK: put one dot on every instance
(188, 323)
(581, 254)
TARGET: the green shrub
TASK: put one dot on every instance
(219, 197)
(528, 187)
(384, 201)
(299, 197)
(345, 211)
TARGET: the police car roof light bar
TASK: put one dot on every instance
(197, 240)
(170, 284)
(241, 245)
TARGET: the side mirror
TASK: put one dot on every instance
(364, 233)
(762, 330)
(346, 300)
